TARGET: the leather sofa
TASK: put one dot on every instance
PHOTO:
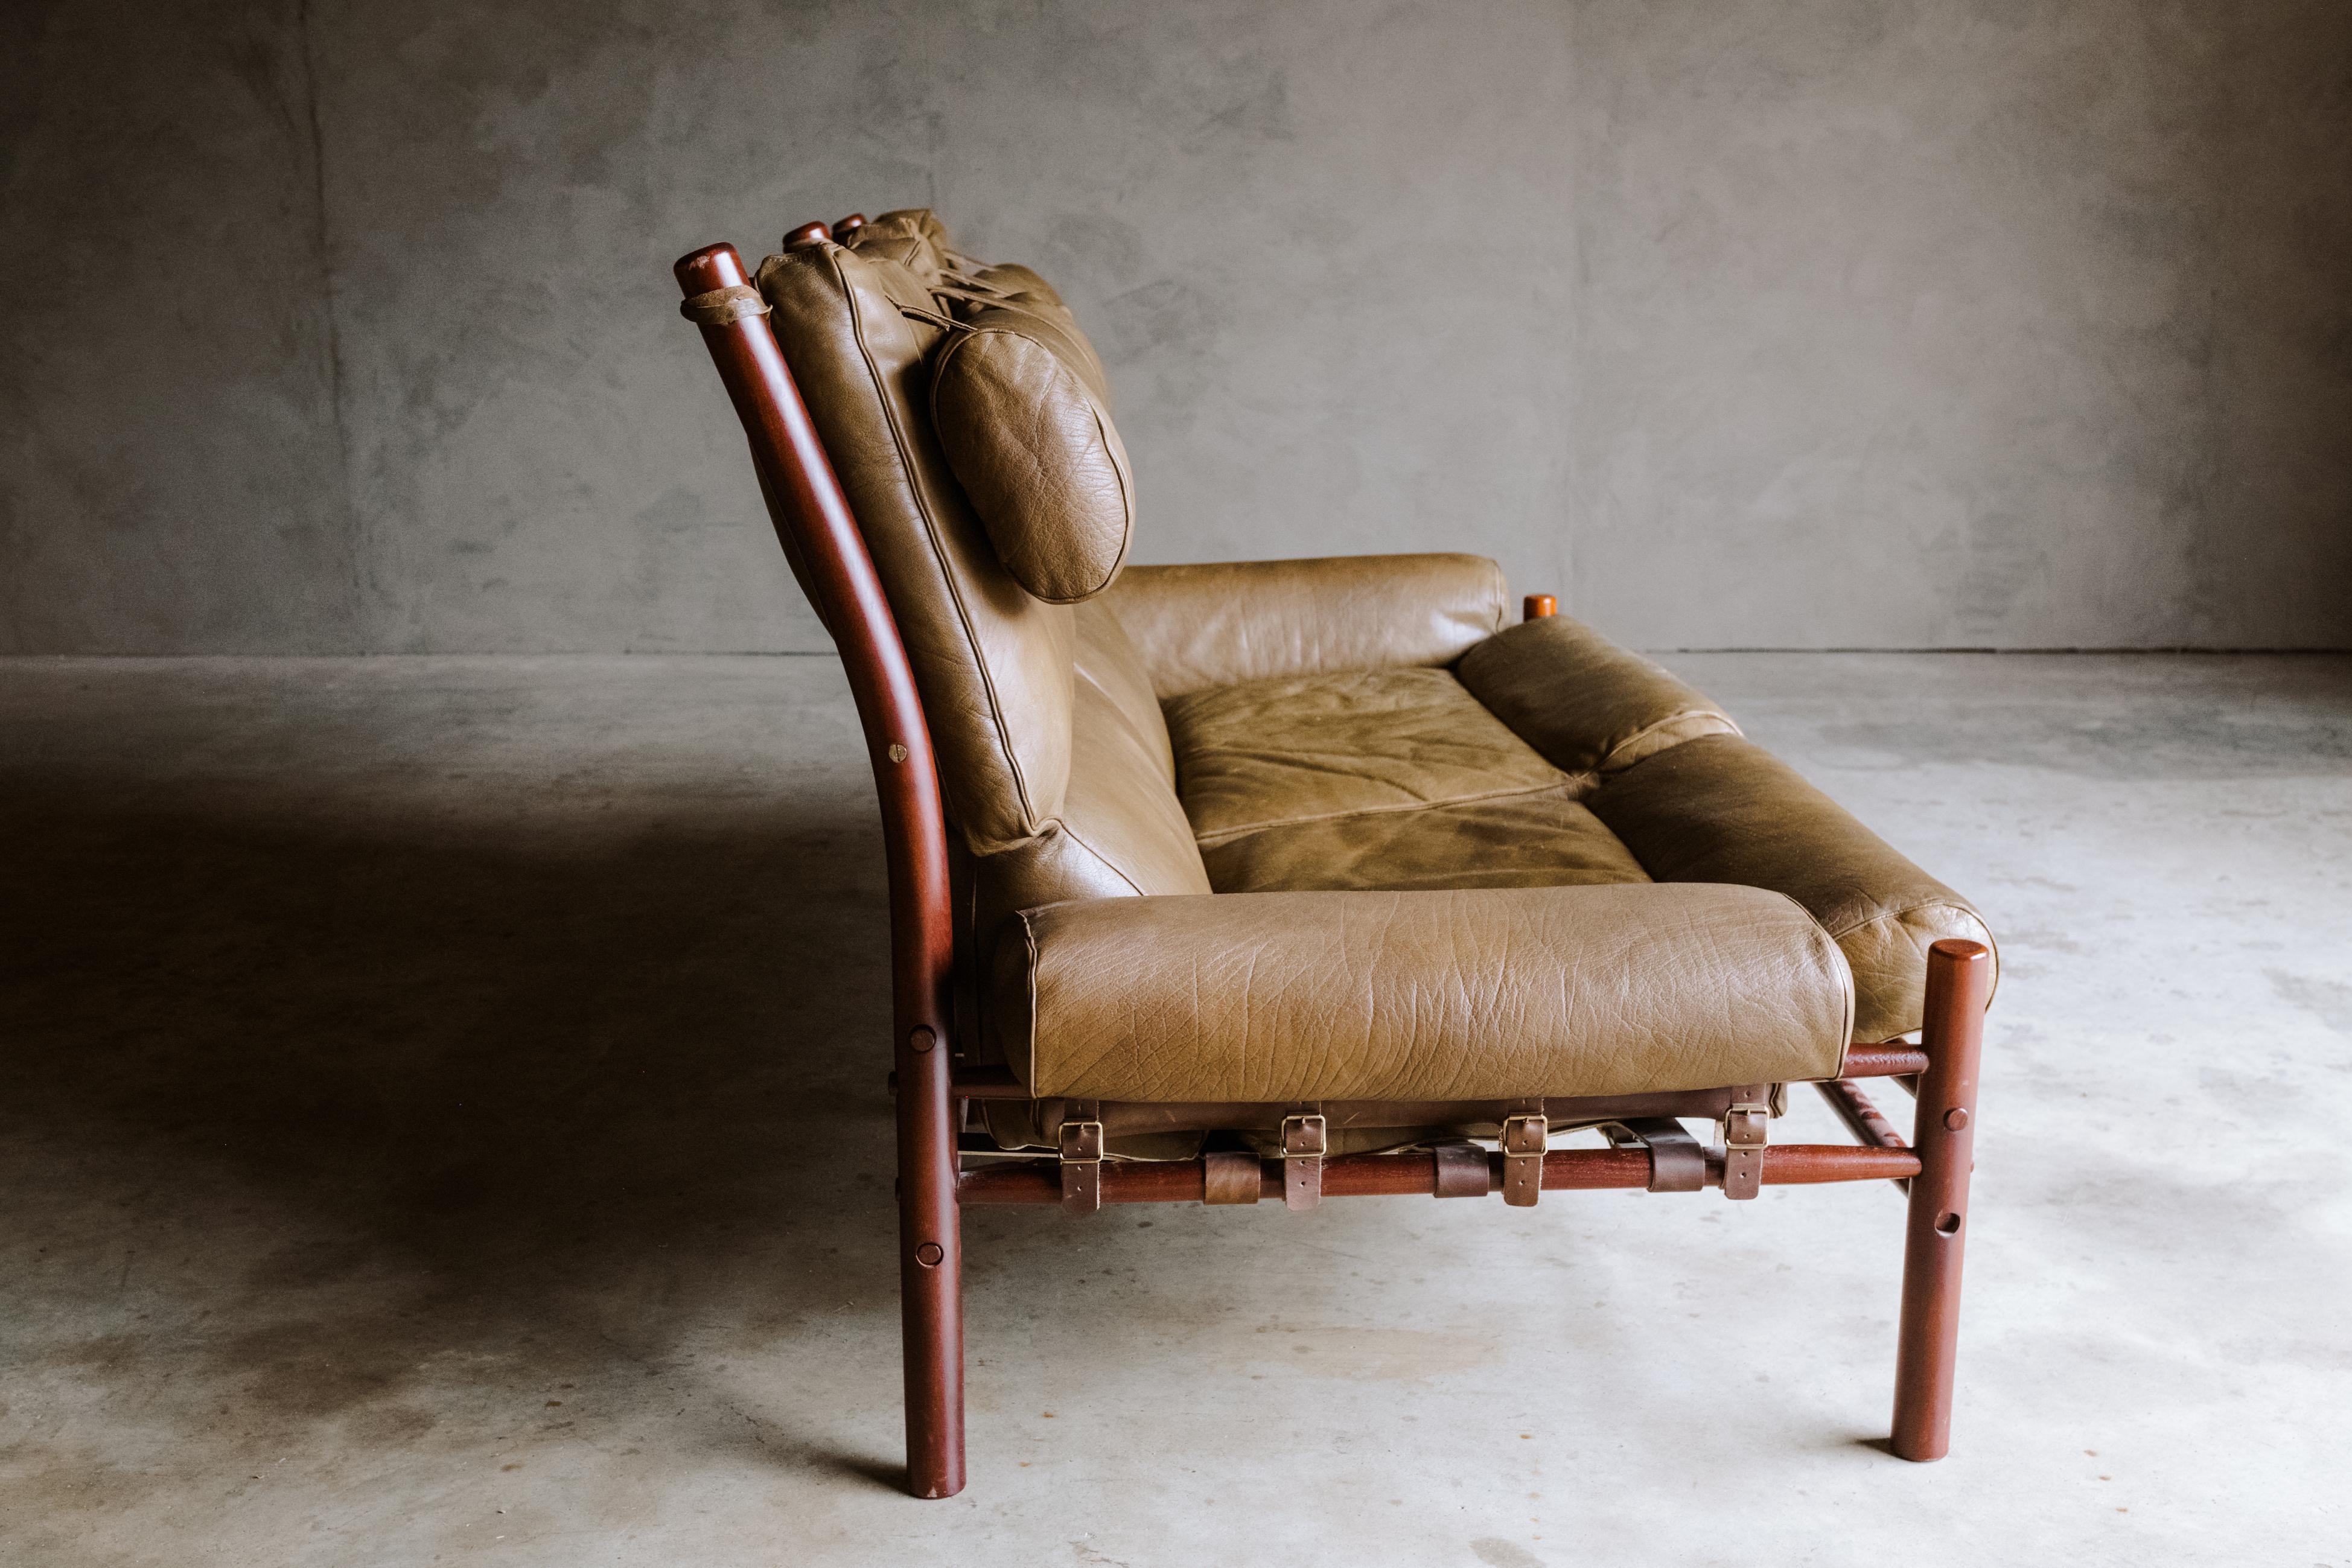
(1295, 877)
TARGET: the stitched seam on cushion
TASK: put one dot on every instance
(1127, 502)
(1106, 860)
(1224, 835)
(1029, 971)
(931, 532)
(1661, 723)
(1992, 942)
(1126, 484)
(1112, 445)
(1853, 987)
(1954, 903)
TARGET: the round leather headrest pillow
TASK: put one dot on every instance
(1036, 452)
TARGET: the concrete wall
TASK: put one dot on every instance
(332, 326)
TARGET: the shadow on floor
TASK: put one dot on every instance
(358, 1086)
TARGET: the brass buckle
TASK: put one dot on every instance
(1082, 1155)
(1306, 1138)
(1523, 1137)
(1744, 1126)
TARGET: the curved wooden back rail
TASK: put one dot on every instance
(807, 504)
(813, 516)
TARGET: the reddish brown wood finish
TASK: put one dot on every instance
(1813, 1164)
(1862, 1118)
(1890, 1060)
(1536, 606)
(847, 226)
(1959, 982)
(808, 504)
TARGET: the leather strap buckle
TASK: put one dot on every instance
(1523, 1140)
(1082, 1155)
(1743, 1140)
(1305, 1140)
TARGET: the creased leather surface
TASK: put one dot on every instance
(1718, 809)
(1019, 298)
(993, 662)
(1198, 626)
(1107, 658)
(1036, 454)
(1302, 747)
(1541, 840)
(1460, 994)
(912, 236)
(1121, 830)
(1582, 700)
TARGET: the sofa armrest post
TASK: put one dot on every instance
(813, 516)
(1959, 979)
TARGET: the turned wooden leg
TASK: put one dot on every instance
(931, 1269)
(1960, 977)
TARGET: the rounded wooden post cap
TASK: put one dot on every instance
(1537, 607)
(808, 234)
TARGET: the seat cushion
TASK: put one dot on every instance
(1609, 770)
(1320, 748)
(1546, 839)
(1464, 994)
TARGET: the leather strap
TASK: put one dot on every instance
(1677, 1162)
(1305, 1140)
(1229, 1177)
(1461, 1171)
(721, 307)
(1082, 1155)
(1524, 1137)
(1743, 1140)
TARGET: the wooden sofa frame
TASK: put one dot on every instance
(933, 1088)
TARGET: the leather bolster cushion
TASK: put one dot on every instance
(1454, 995)
(1035, 448)
(1720, 809)
(1198, 626)
(1588, 705)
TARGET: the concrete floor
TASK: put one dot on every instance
(444, 1121)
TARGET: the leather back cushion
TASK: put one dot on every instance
(993, 662)
(1053, 752)
(1122, 830)
(1036, 450)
